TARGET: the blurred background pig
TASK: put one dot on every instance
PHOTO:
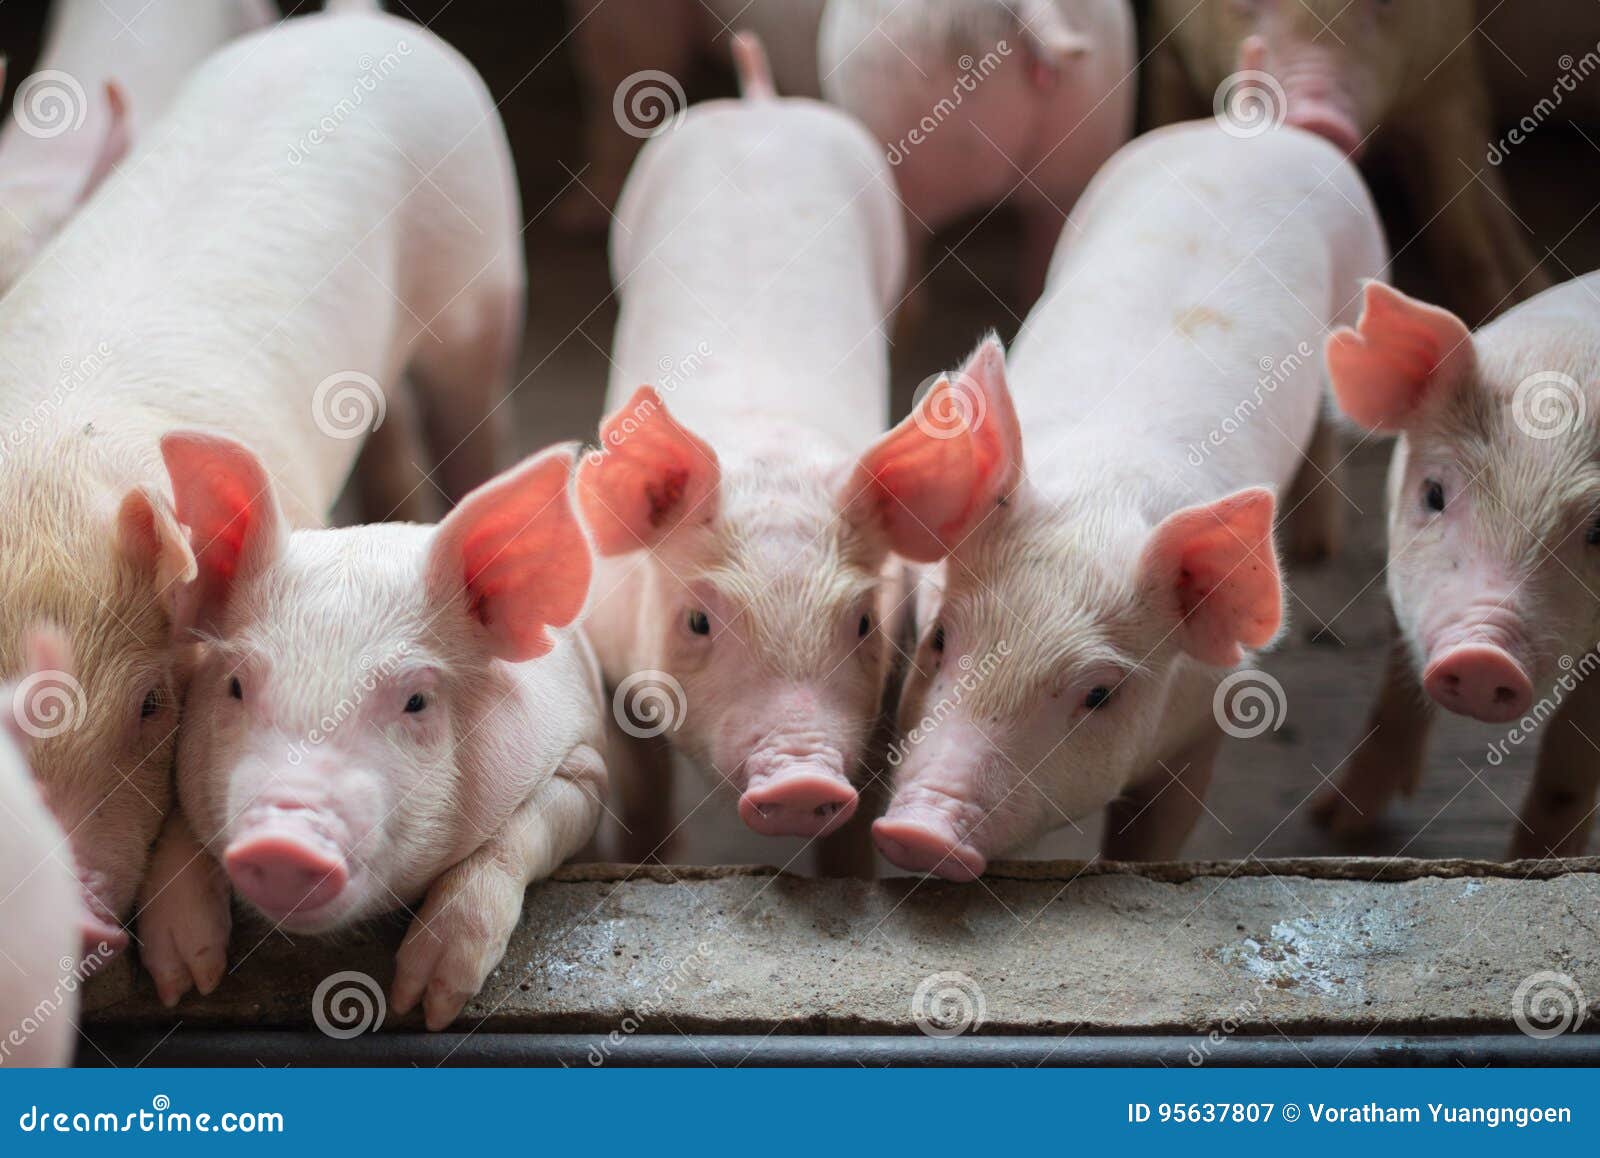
(984, 102)
(226, 277)
(107, 71)
(42, 919)
(381, 715)
(1494, 542)
(757, 253)
(1108, 561)
(1400, 81)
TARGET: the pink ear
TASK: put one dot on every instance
(114, 144)
(933, 478)
(513, 555)
(649, 475)
(150, 538)
(46, 648)
(1215, 566)
(1403, 354)
(224, 497)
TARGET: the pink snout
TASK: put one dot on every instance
(802, 801)
(282, 875)
(1479, 680)
(926, 842)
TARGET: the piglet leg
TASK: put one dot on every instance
(1152, 821)
(470, 912)
(1314, 512)
(184, 918)
(1559, 808)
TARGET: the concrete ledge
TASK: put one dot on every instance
(1255, 948)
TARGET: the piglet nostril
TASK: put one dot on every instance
(827, 810)
(1505, 695)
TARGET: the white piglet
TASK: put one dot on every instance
(107, 71)
(267, 269)
(757, 254)
(1108, 515)
(382, 714)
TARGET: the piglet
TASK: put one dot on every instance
(107, 71)
(1494, 543)
(742, 590)
(1402, 79)
(984, 102)
(382, 715)
(41, 915)
(1104, 505)
(267, 269)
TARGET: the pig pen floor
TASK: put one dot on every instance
(1330, 658)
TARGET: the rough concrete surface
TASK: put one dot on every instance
(1346, 947)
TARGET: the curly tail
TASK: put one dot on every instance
(750, 61)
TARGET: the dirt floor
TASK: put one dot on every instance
(1332, 655)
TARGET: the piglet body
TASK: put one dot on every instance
(1108, 533)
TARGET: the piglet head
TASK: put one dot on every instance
(336, 757)
(769, 598)
(1048, 654)
(1494, 497)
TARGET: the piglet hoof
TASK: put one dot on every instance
(183, 930)
(454, 943)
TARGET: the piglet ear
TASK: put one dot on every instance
(149, 538)
(1215, 567)
(1402, 356)
(114, 142)
(224, 498)
(649, 475)
(513, 556)
(932, 479)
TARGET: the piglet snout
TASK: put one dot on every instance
(1479, 680)
(800, 800)
(281, 873)
(924, 840)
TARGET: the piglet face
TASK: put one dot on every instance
(352, 703)
(1494, 496)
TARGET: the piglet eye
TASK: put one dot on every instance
(1433, 494)
(416, 703)
(699, 622)
(938, 637)
(235, 688)
(1098, 697)
(864, 628)
(151, 704)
